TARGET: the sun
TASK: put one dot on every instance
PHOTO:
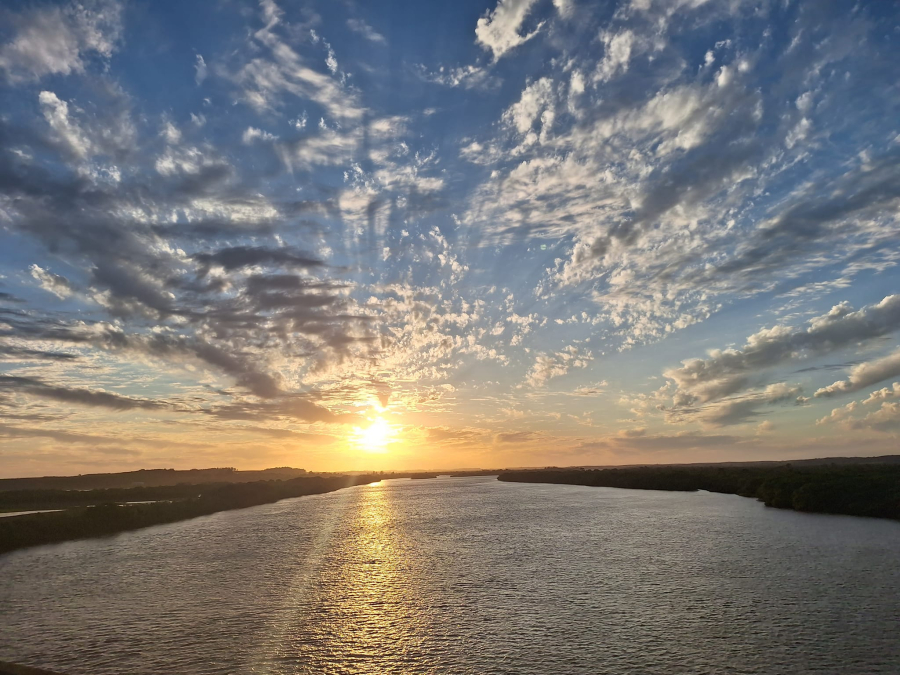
(374, 438)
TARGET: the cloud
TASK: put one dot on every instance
(885, 420)
(518, 437)
(659, 174)
(238, 257)
(536, 104)
(280, 70)
(884, 394)
(14, 353)
(467, 77)
(362, 28)
(618, 48)
(620, 186)
(498, 31)
(52, 283)
(674, 442)
(865, 375)
(741, 410)
(728, 371)
(8, 431)
(548, 366)
(565, 8)
(200, 70)
(253, 134)
(290, 407)
(67, 131)
(58, 40)
(85, 397)
(448, 435)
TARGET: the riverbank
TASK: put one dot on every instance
(865, 490)
(113, 517)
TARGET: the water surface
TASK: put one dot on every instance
(467, 575)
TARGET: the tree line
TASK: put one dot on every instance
(113, 514)
(857, 490)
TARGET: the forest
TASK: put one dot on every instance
(856, 490)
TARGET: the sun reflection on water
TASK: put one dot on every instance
(364, 611)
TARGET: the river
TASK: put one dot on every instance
(467, 575)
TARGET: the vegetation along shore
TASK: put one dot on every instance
(105, 512)
(855, 490)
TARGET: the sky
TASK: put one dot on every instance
(407, 235)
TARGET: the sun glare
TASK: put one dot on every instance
(376, 437)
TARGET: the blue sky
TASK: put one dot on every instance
(408, 235)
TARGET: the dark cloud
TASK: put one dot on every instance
(830, 209)
(25, 354)
(136, 272)
(8, 431)
(86, 397)
(238, 257)
(287, 408)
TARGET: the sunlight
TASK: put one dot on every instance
(374, 438)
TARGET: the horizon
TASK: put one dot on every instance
(470, 468)
(519, 233)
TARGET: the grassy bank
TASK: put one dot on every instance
(181, 502)
(867, 490)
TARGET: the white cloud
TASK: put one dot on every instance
(253, 134)
(467, 77)
(200, 70)
(565, 8)
(498, 31)
(537, 99)
(548, 366)
(884, 394)
(886, 419)
(798, 133)
(839, 414)
(52, 283)
(57, 40)
(618, 48)
(728, 371)
(331, 61)
(171, 133)
(364, 29)
(267, 78)
(67, 131)
(865, 375)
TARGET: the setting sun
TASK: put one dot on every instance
(374, 438)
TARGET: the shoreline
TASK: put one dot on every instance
(109, 518)
(871, 491)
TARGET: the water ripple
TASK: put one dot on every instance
(464, 576)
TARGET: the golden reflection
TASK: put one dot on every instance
(359, 605)
(372, 613)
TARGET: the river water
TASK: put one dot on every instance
(467, 575)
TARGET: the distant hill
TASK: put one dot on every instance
(148, 478)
